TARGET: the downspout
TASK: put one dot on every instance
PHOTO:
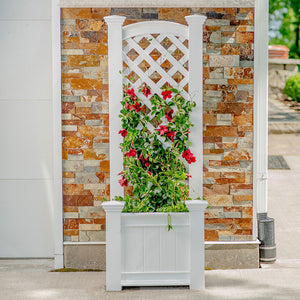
(265, 224)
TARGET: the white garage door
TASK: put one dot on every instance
(26, 200)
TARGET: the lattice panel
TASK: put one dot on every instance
(157, 60)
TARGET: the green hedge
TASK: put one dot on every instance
(292, 87)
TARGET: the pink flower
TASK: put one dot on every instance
(146, 90)
(137, 107)
(131, 153)
(127, 106)
(166, 94)
(130, 92)
(169, 115)
(123, 132)
(123, 181)
(189, 156)
(171, 135)
(188, 175)
(149, 173)
(162, 129)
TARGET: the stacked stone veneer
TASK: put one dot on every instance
(228, 117)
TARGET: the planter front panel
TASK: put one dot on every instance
(149, 249)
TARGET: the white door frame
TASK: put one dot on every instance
(260, 97)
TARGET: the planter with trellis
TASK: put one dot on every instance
(155, 233)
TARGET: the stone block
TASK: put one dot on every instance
(217, 22)
(237, 155)
(216, 81)
(84, 177)
(232, 256)
(219, 200)
(91, 236)
(89, 256)
(69, 166)
(70, 215)
(213, 212)
(83, 60)
(173, 13)
(90, 212)
(132, 13)
(150, 13)
(215, 37)
(76, 13)
(93, 131)
(89, 227)
(230, 215)
(77, 142)
(220, 131)
(70, 99)
(86, 84)
(224, 119)
(224, 61)
(92, 73)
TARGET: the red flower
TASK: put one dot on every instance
(123, 181)
(146, 90)
(188, 175)
(189, 156)
(162, 129)
(171, 135)
(130, 92)
(137, 107)
(131, 152)
(166, 94)
(144, 161)
(123, 132)
(127, 106)
(149, 173)
(169, 115)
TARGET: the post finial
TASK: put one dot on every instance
(114, 19)
(192, 19)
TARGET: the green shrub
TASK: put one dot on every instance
(292, 87)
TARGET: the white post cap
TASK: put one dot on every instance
(114, 19)
(195, 19)
(196, 205)
(113, 206)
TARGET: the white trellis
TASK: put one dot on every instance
(183, 70)
(156, 53)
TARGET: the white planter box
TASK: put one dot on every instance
(140, 251)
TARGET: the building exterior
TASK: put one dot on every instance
(234, 107)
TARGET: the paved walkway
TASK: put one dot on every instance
(30, 279)
(282, 119)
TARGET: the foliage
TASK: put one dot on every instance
(292, 87)
(287, 14)
(152, 163)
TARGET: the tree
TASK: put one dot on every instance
(284, 18)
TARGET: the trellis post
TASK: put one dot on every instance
(196, 208)
(115, 66)
(195, 33)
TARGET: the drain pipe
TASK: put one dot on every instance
(265, 227)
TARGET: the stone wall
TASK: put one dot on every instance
(278, 73)
(228, 117)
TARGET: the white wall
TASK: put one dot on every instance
(26, 175)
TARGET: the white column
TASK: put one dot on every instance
(113, 211)
(115, 64)
(196, 214)
(195, 23)
(57, 139)
(260, 160)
